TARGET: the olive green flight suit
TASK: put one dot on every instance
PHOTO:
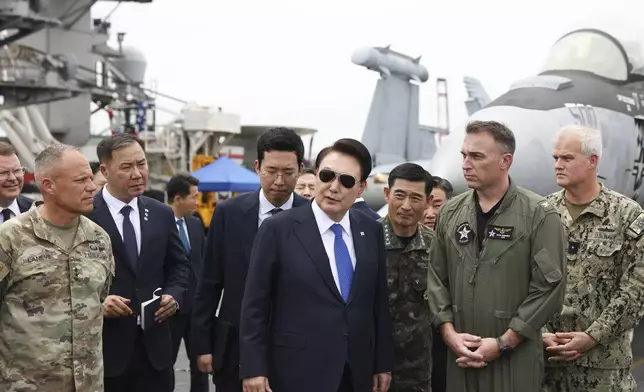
(515, 282)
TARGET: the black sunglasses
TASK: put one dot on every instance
(346, 180)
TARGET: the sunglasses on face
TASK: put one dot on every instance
(346, 180)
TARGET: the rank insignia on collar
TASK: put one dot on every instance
(464, 233)
(500, 232)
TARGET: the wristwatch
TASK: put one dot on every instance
(504, 348)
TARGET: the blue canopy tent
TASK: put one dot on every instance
(225, 175)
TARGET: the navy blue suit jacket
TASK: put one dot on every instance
(228, 246)
(197, 237)
(363, 207)
(24, 203)
(295, 327)
(162, 263)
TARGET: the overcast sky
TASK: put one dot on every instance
(288, 62)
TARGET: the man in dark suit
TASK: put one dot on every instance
(148, 254)
(280, 152)
(12, 179)
(182, 195)
(315, 313)
(361, 205)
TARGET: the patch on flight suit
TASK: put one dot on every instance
(573, 247)
(464, 233)
(4, 270)
(500, 232)
(637, 226)
(546, 205)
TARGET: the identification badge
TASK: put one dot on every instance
(500, 232)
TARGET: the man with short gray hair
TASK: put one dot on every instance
(588, 342)
(56, 267)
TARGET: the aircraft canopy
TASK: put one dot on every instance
(610, 48)
(588, 51)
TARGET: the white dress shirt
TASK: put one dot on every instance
(265, 207)
(182, 222)
(13, 207)
(115, 205)
(328, 238)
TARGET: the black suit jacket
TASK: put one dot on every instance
(228, 246)
(363, 207)
(295, 327)
(197, 244)
(24, 203)
(162, 263)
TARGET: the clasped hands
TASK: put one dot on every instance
(567, 346)
(472, 351)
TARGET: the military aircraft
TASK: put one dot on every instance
(591, 77)
(392, 131)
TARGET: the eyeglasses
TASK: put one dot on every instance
(275, 175)
(17, 172)
(346, 180)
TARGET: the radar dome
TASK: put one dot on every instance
(133, 64)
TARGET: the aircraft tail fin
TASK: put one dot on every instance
(477, 96)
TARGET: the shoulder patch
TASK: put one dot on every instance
(637, 227)
(546, 205)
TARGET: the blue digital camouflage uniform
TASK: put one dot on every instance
(51, 312)
(604, 295)
(407, 284)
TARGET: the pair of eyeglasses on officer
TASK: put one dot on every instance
(346, 180)
(17, 172)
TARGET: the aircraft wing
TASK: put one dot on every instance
(478, 97)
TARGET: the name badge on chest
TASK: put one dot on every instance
(499, 232)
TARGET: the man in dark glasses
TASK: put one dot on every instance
(280, 153)
(315, 315)
(359, 203)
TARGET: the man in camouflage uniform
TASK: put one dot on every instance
(55, 270)
(407, 246)
(588, 344)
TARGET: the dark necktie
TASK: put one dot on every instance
(129, 237)
(275, 211)
(183, 235)
(6, 214)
